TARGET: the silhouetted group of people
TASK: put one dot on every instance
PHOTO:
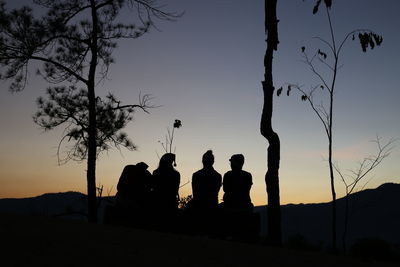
(139, 189)
(236, 184)
(152, 200)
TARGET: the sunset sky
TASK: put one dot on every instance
(206, 70)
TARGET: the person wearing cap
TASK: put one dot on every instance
(166, 182)
(236, 185)
(206, 184)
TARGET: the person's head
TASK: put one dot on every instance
(128, 171)
(208, 158)
(237, 161)
(167, 160)
(142, 166)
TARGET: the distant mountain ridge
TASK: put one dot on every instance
(373, 213)
(69, 205)
(49, 204)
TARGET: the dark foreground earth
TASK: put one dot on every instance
(43, 241)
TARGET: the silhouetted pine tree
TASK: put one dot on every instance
(74, 40)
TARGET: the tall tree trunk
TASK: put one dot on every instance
(330, 134)
(333, 192)
(346, 221)
(92, 131)
(272, 175)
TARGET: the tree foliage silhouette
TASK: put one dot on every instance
(327, 85)
(74, 40)
(272, 175)
(68, 105)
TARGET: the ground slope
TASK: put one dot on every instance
(43, 241)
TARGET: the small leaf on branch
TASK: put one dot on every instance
(303, 48)
(315, 9)
(322, 54)
(363, 41)
(304, 97)
(289, 88)
(378, 39)
(371, 42)
(279, 91)
(328, 3)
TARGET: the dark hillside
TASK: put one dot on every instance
(43, 241)
(373, 213)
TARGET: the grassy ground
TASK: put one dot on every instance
(40, 241)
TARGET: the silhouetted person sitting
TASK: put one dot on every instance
(166, 184)
(134, 186)
(236, 185)
(206, 184)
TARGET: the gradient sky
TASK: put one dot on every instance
(206, 70)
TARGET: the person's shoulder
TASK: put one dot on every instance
(216, 173)
(176, 172)
(197, 173)
(246, 173)
(228, 173)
